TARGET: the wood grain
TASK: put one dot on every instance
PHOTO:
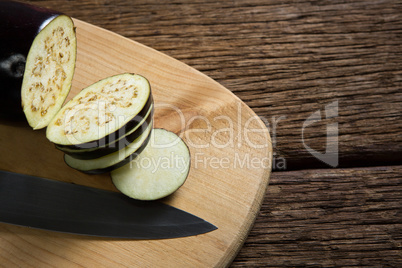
(230, 163)
(286, 60)
(337, 218)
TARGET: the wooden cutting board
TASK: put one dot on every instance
(231, 162)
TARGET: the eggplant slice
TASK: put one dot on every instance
(112, 161)
(37, 61)
(105, 109)
(112, 138)
(49, 72)
(114, 146)
(161, 168)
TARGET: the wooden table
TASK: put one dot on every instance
(326, 77)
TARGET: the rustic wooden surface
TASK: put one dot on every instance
(340, 217)
(286, 60)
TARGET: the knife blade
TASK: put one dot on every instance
(69, 208)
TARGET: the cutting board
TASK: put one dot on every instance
(230, 164)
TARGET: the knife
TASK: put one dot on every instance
(65, 207)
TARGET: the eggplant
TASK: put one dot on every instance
(111, 161)
(160, 170)
(114, 146)
(37, 62)
(101, 113)
(110, 139)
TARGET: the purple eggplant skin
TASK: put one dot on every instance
(19, 25)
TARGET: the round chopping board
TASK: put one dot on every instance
(231, 157)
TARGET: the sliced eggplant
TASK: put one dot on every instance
(113, 137)
(158, 171)
(37, 61)
(114, 146)
(112, 161)
(101, 113)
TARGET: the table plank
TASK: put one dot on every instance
(286, 60)
(338, 217)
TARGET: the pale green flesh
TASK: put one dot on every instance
(158, 171)
(67, 150)
(100, 109)
(49, 71)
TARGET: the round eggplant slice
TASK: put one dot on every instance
(143, 117)
(114, 146)
(37, 61)
(111, 161)
(160, 169)
(102, 112)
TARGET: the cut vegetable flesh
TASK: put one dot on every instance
(49, 71)
(114, 146)
(99, 110)
(158, 171)
(112, 138)
(114, 160)
(25, 30)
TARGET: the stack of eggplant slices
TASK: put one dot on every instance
(106, 127)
